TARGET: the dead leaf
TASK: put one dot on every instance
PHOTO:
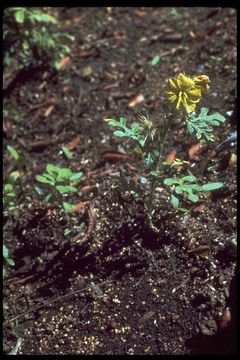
(65, 61)
(199, 209)
(86, 54)
(131, 167)
(136, 101)
(78, 207)
(171, 156)
(48, 111)
(114, 155)
(193, 150)
(87, 188)
(73, 143)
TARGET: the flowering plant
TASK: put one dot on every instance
(182, 94)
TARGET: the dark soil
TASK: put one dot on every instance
(119, 287)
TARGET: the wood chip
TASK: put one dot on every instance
(114, 155)
(171, 156)
(64, 62)
(87, 54)
(193, 150)
(73, 143)
(110, 86)
(136, 101)
(192, 34)
(48, 111)
(87, 188)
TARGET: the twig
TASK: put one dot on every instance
(91, 225)
(50, 302)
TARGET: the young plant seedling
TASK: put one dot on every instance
(187, 185)
(7, 260)
(182, 94)
(59, 182)
(30, 36)
(9, 204)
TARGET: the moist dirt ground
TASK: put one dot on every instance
(114, 286)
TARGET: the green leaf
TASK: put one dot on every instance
(43, 180)
(192, 197)
(5, 251)
(170, 181)
(212, 186)
(52, 170)
(64, 173)
(189, 178)
(67, 206)
(11, 194)
(180, 189)
(47, 18)
(67, 153)
(13, 152)
(67, 232)
(48, 198)
(38, 190)
(10, 262)
(20, 16)
(8, 187)
(215, 115)
(76, 176)
(155, 60)
(119, 133)
(123, 121)
(49, 177)
(112, 122)
(65, 189)
(174, 201)
(69, 37)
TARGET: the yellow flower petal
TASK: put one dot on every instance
(183, 92)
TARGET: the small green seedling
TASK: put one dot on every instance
(8, 198)
(59, 182)
(15, 155)
(187, 186)
(7, 260)
(155, 60)
(67, 153)
(31, 37)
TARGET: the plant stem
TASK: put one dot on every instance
(159, 163)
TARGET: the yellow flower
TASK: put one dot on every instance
(182, 93)
(201, 82)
